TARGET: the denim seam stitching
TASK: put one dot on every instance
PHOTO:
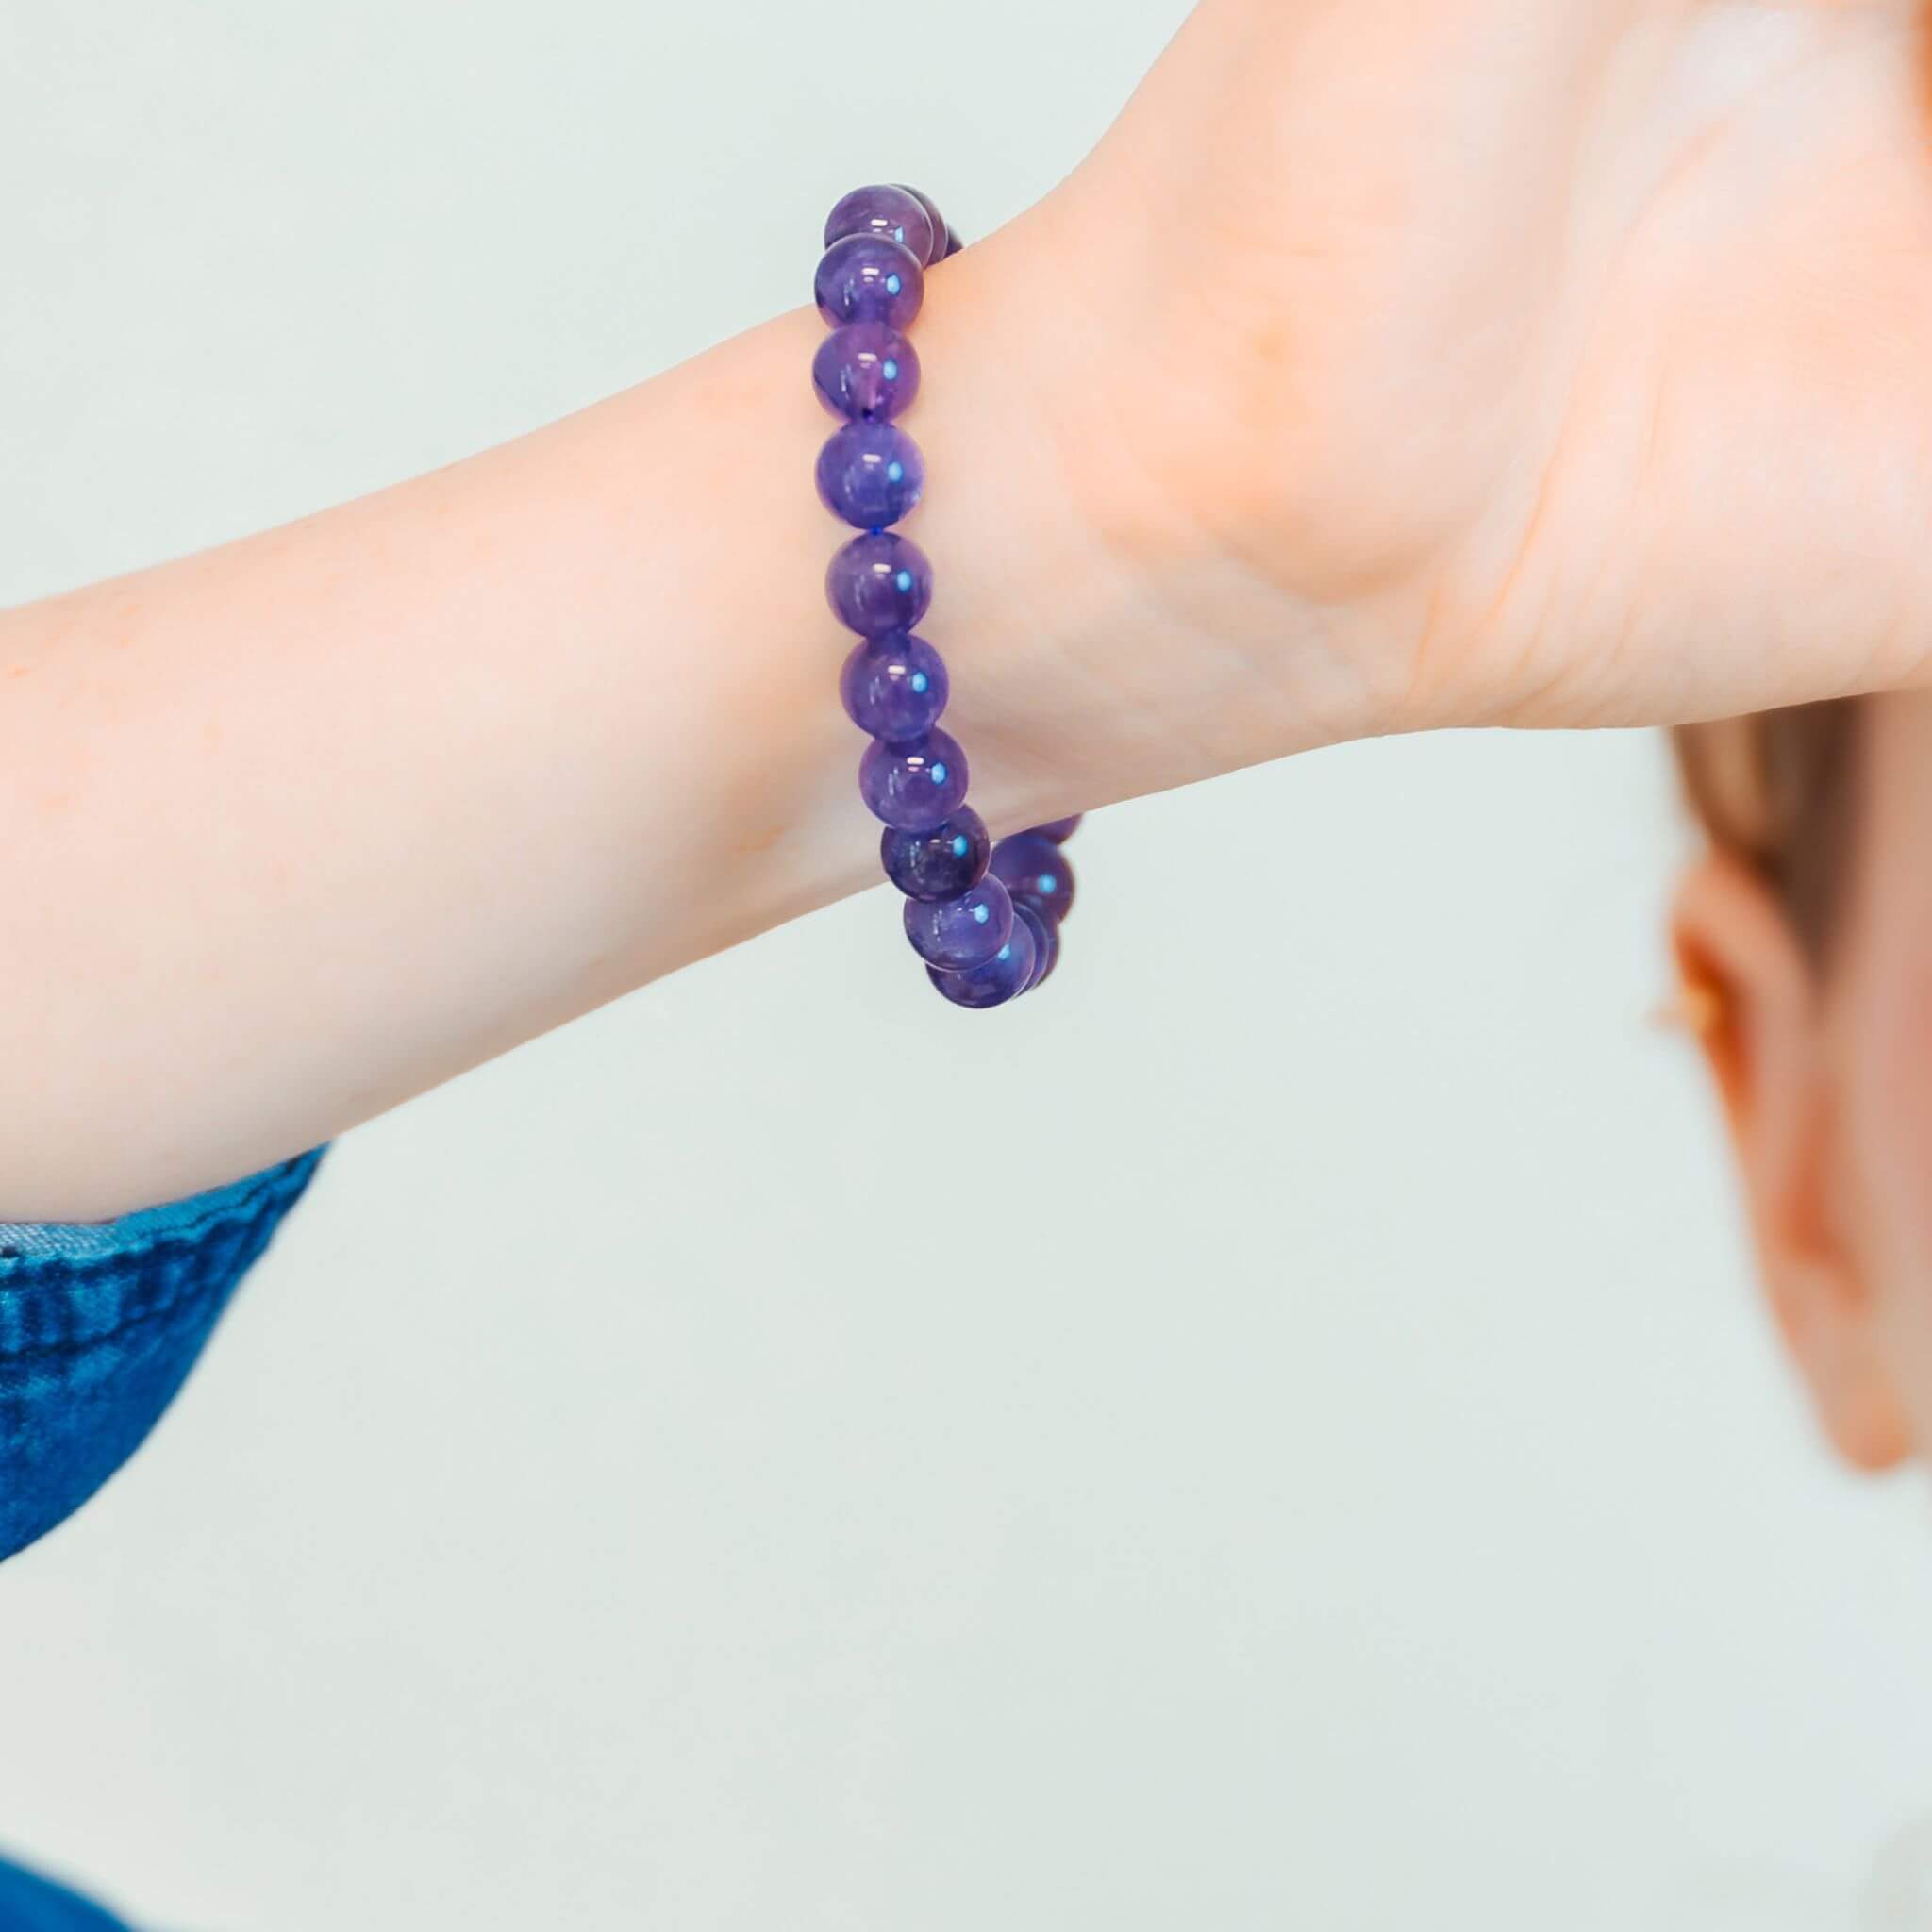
(16, 1271)
(194, 1288)
(60, 1351)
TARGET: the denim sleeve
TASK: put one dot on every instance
(101, 1321)
(30, 1904)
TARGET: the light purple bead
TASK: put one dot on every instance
(1003, 977)
(869, 278)
(885, 210)
(865, 369)
(957, 934)
(938, 864)
(894, 687)
(870, 473)
(1036, 871)
(942, 234)
(1047, 942)
(1058, 829)
(877, 583)
(913, 786)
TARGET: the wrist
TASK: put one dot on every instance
(1130, 609)
(1107, 633)
(1032, 594)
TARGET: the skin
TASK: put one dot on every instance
(1392, 364)
(1821, 1068)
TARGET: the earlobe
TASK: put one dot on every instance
(1755, 998)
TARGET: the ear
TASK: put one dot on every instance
(1759, 1011)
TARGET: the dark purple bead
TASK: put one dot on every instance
(1058, 829)
(1047, 942)
(865, 369)
(957, 934)
(877, 583)
(870, 473)
(1036, 871)
(894, 687)
(885, 210)
(1003, 977)
(952, 247)
(869, 278)
(938, 864)
(913, 786)
(942, 234)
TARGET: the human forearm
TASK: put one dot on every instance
(303, 825)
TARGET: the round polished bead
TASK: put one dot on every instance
(865, 369)
(894, 687)
(885, 209)
(877, 583)
(1003, 977)
(1036, 873)
(870, 473)
(942, 234)
(913, 786)
(869, 278)
(957, 934)
(1046, 940)
(1058, 829)
(938, 864)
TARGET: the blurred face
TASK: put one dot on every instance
(1825, 1070)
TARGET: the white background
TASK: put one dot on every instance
(1276, 1433)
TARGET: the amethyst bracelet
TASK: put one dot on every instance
(983, 917)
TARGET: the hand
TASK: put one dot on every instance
(1464, 361)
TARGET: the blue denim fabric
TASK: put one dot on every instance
(34, 1905)
(100, 1323)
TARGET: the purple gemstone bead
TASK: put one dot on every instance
(1003, 977)
(894, 687)
(1058, 829)
(957, 934)
(885, 210)
(1036, 873)
(878, 583)
(869, 278)
(942, 234)
(1047, 942)
(916, 787)
(938, 864)
(865, 369)
(870, 473)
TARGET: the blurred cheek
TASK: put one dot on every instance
(1880, 1024)
(1906, 1085)
(1890, 1188)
